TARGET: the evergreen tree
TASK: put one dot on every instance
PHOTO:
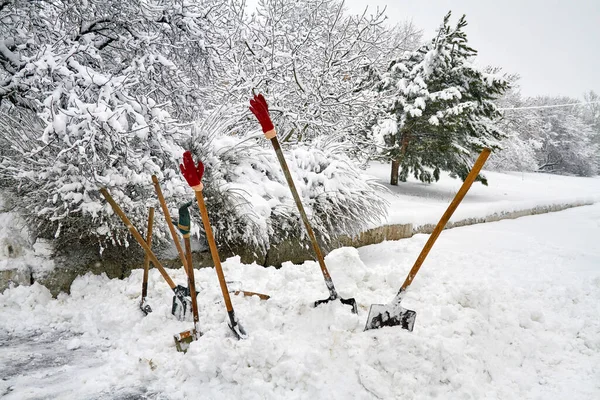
(436, 108)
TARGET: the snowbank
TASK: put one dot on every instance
(504, 310)
(421, 203)
(19, 259)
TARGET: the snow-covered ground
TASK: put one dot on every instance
(505, 310)
(420, 203)
(410, 202)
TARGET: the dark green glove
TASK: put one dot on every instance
(183, 223)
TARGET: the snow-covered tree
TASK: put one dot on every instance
(591, 116)
(567, 140)
(88, 92)
(545, 135)
(435, 108)
(307, 57)
(518, 148)
(106, 93)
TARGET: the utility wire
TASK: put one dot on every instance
(549, 106)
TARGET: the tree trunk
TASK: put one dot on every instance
(395, 168)
(396, 162)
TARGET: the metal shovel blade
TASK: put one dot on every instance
(349, 302)
(392, 314)
(185, 338)
(145, 307)
(237, 329)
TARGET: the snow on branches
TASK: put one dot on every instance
(435, 108)
(250, 202)
(307, 56)
(546, 138)
(89, 94)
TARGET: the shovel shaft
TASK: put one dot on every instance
(137, 237)
(147, 259)
(163, 205)
(214, 252)
(444, 220)
(191, 279)
(328, 281)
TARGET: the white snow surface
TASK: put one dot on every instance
(505, 310)
(16, 250)
(421, 203)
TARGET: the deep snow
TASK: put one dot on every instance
(421, 203)
(505, 310)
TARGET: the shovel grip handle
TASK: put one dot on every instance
(460, 195)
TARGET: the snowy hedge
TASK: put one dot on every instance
(103, 93)
(250, 203)
(56, 183)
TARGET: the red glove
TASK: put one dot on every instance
(192, 173)
(259, 107)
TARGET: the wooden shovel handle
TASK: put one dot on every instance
(444, 220)
(147, 258)
(214, 252)
(167, 214)
(309, 230)
(137, 237)
(191, 279)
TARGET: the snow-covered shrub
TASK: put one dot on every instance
(246, 193)
(94, 134)
(250, 203)
(103, 93)
(89, 93)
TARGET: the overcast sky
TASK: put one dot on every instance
(553, 45)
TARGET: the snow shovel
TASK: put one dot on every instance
(146, 309)
(183, 339)
(393, 314)
(177, 308)
(177, 289)
(193, 175)
(259, 107)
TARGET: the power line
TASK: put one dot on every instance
(549, 106)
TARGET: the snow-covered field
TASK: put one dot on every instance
(420, 203)
(505, 310)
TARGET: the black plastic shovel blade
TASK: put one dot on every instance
(237, 329)
(349, 302)
(180, 307)
(181, 302)
(392, 314)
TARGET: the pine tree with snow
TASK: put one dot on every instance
(435, 108)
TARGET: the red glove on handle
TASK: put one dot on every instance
(192, 173)
(259, 107)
